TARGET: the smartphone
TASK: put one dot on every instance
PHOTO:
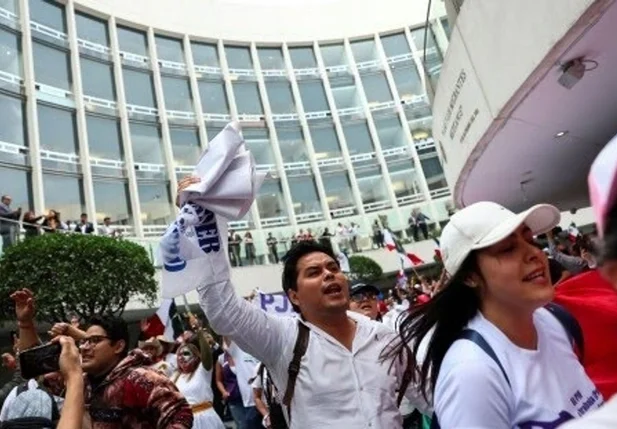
(40, 360)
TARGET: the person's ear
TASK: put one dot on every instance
(293, 297)
(473, 280)
(119, 346)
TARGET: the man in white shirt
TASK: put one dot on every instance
(107, 229)
(342, 381)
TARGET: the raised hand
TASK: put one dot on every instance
(24, 305)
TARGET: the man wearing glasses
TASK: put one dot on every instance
(121, 391)
(363, 300)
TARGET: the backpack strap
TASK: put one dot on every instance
(302, 341)
(571, 326)
(477, 338)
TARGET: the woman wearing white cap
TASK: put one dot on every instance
(496, 358)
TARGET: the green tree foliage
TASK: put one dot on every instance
(364, 268)
(75, 274)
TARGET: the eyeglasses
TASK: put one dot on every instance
(359, 297)
(93, 340)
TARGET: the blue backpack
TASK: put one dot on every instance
(569, 323)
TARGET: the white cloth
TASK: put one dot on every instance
(245, 367)
(335, 387)
(548, 386)
(604, 418)
(196, 388)
(229, 183)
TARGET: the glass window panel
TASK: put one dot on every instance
(97, 79)
(48, 13)
(185, 145)
(18, 185)
(65, 195)
(139, 88)
(258, 142)
(146, 143)
(238, 57)
(390, 132)
(292, 144)
(364, 50)
(52, 66)
(395, 44)
(372, 185)
(418, 38)
(304, 195)
(270, 200)
(271, 58)
(205, 54)
(10, 5)
(10, 53)
(104, 138)
(12, 121)
(169, 49)
(325, 142)
(421, 129)
(446, 27)
(212, 132)
(133, 41)
(111, 199)
(333, 55)
(177, 94)
(92, 29)
(213, 97)
(344, 92)
(407, 81)
(57, 129)
(431, 166)
(280, 96)
(247, 97)
(358, 138)
(338, 191)
(303, 57)
(313, 96)
(155, 203)
(404, 182)
(376, 88)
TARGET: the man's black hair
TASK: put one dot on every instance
(84, 214)
(115, 328)
(293, 256)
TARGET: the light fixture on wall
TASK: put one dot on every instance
(561, 134)
(574, 70)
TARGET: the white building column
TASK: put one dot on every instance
(355, 190)
(199, 113)
(125, 129)
(310, 149)
(233, 108)
(276, 149)
(32, 118)
(80, 111)
(160, 102)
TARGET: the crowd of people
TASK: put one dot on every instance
(15, 221)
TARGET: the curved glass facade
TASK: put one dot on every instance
(104, 118)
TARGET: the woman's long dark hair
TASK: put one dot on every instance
(448, 312)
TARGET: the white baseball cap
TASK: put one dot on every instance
(483, 224)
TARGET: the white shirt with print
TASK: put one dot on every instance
(604, 418)
(548, 386)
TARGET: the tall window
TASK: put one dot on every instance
(112, 200)
(303, 57)
(104, 138)
(313, 96)
(97, 79)
(325, 142)
(364, 50)
(271, 58)
(177, 92)
(281, 97)
(57, 129)
(17, 184)
(205, 54)
(10, 48)
(139, 88)
(133, 41)
(358, 138)
(52, 66)
(146, 143)
(247, 97)
(185, 145)
(291, 142)
(238, 57)
(305, 197)
(169, 49)
(338, 190)
(48, 13)
(91, 29)
(12, 121)
(270, 200)
(155, 203)
(376, 88)
(65, 195)
(213, 97)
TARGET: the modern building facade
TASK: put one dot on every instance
(519, 120)
(106, 104)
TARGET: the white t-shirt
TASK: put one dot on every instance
(604, 418)
(548, 386)
(245, 369)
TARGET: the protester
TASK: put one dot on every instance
(147, 399)
(194, 380)
(363, 300)
(496, 358)
(227, 385)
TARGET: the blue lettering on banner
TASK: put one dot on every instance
(207, 232)
(275, 303)
(171, 252)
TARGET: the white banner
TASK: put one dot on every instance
(274, 303)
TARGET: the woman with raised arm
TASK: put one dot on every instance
(194, 380)
(496, 354)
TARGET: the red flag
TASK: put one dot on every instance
(415, 259)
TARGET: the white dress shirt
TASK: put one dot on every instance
(335, 387)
